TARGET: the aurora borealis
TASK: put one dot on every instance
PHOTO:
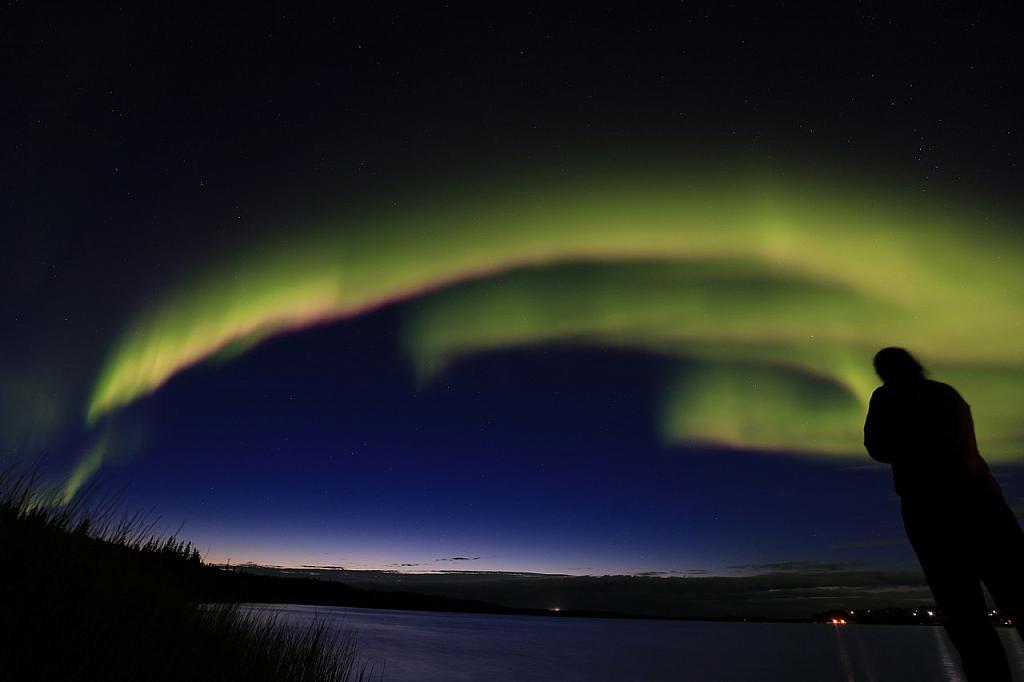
(785, 293)
(567, 293)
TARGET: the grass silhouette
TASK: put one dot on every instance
(89, 594)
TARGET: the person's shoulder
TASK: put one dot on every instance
(945, 390)
(881, 396)
(938, 386)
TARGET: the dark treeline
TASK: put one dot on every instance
(897, 615)
(220, 585)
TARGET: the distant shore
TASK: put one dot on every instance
(512, 594)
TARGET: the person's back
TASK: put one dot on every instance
(925, 430)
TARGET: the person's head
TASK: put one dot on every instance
(896, 365)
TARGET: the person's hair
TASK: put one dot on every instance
(897, 364)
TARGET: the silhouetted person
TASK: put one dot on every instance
(953, 510)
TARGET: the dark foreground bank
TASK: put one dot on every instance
(85, 596)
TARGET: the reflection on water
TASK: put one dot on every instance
(1012, 643)
(844, 656)
(950, 662)
(426, 647)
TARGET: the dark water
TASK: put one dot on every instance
(423, 647)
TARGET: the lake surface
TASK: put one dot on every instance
(424, 646)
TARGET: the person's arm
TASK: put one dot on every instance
(963, 429)
(967, 447)
(879, 438)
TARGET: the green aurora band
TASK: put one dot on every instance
(773, 296)
(770, 361)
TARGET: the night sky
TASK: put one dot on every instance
(515, 290)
